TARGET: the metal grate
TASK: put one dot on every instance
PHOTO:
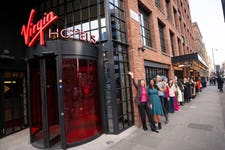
(205, 127)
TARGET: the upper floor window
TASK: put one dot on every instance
(172, 43)
(145, 27)
(168, 10)
(162, 36)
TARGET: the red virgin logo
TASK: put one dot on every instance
(32, 31)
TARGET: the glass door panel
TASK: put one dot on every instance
(52, 100)
(36, 104)
(44, 102)
(81, 99)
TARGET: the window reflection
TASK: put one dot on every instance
(81, 99)
(85, 26)
(103, 22)
(96, 34)
(94, 24)
(103, 32)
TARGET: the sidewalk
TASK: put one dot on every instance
(198, 125)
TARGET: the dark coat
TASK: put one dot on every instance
(139, 93)
(187, 90)
(220, 82)
(181, 86)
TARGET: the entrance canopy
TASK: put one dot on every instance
(193, 61)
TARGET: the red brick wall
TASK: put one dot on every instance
(154, 53)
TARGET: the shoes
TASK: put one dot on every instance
(167, 121)
(145, 128)
(154, 130)
(159, 125)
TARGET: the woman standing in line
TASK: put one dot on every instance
(172, 91)
(157, 109)
(143, 102)
(176, 100)
(187, 92)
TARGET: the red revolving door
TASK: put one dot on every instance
(81, 99)
(64, 96)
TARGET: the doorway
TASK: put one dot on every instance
(13, 102)
(45, 128)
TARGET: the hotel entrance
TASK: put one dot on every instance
(44, 102)
(64, 99)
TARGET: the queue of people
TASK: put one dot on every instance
(162, 97)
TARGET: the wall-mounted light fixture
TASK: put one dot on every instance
(141, 48)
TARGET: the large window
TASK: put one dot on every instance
(145, 27)
(123, 86)
(172, 43)
(13, 102)
(118, 20)
(179, 47)
(84, 15)
(162, 36)
(151, 72)
(119, 98)
(168, 10)
(175, 18)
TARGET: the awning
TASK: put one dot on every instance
(156, 65)
(190, 60)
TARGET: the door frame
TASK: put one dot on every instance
(44, 99)
(2, 116)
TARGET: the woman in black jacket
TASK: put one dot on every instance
(220, 83)
(143, 102)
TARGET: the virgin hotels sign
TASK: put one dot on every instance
(34, 31)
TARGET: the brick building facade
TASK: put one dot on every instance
(157, 31)
(200, 47)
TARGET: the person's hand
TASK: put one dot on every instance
(150, 105)
(164, 83)
(131, 74)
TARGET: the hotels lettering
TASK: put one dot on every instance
(71, 33)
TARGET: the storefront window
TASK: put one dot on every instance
(81, 99)
(151, 72)
(14, 102)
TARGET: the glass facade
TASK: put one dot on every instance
(83, 15)
(81, 99)
(116, 10)
(118, 96)
(13, 104)
(88, 106)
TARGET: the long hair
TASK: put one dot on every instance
(154, 86)
(170, 84)
(139, 82)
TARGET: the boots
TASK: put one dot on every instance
(159, 125)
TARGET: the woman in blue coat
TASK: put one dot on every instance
(157, 110)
